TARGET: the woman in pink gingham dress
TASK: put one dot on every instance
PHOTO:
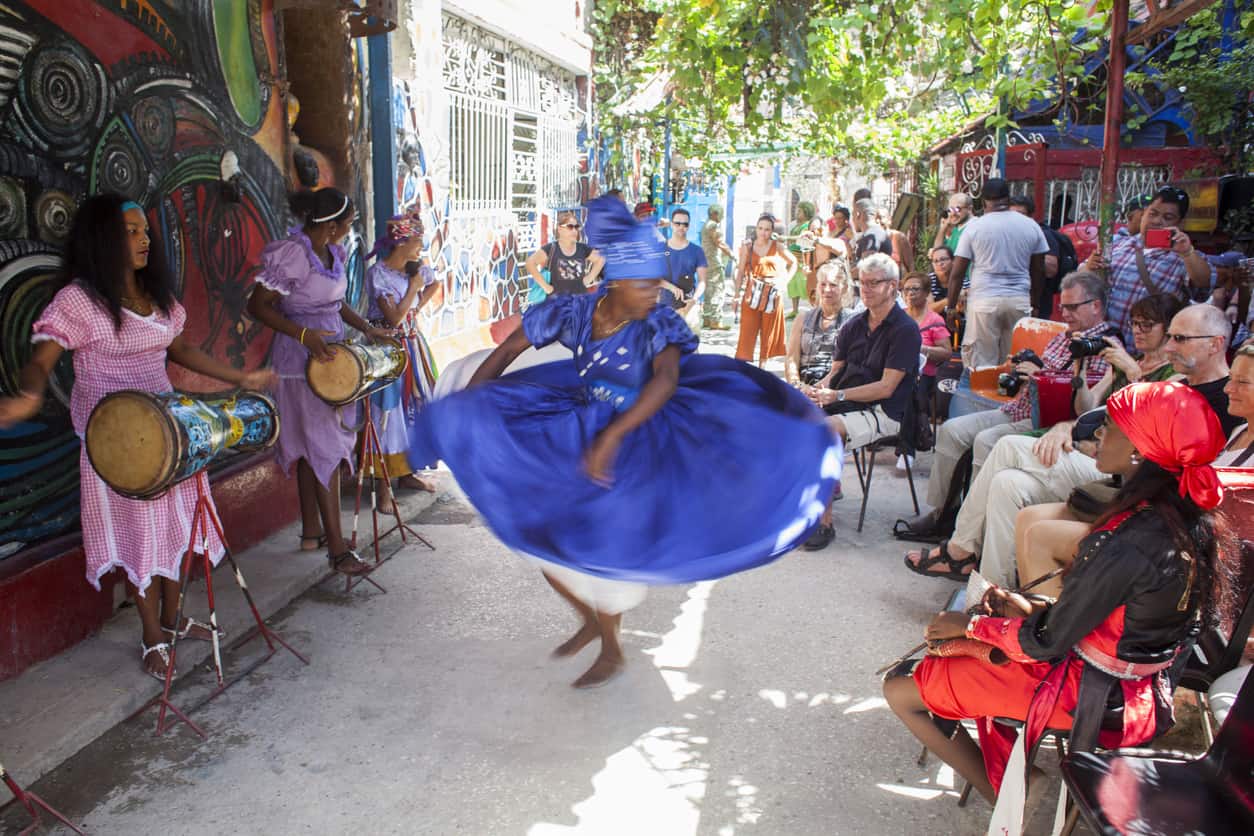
(120, 318)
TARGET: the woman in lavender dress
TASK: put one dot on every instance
(299, 293)
(396, 293)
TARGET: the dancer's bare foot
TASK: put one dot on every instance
(585, 636)
(606, 667)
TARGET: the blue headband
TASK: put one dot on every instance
(130, 204)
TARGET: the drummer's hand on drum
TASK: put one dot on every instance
(598, 459)
(14, 410)
(316, 345)
(374, 333)
(259, 380)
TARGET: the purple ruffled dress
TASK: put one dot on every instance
(309, 427)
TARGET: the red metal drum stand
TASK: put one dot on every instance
(33, 805)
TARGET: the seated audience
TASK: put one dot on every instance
(1155, 563)
(1025, 470)
(1240, 392)
(812, 339)
(1083, 309)
(935, 335)
(869, 386)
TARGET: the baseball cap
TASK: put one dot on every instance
(995, 188)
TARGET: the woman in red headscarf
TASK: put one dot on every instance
(1152, 566)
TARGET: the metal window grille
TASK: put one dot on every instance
(1068, 201)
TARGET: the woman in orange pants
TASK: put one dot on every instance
(767, 267)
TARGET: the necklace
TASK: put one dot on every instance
(139, 304)
(620, 326)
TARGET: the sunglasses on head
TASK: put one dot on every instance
(1172, 194)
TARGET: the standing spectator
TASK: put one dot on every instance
(767, 266)
(1134, 270)
(838, 224)
(1133, 210)
(1059, 261)
(1006, 252)
(717, 254)
(687, 265)
(955, 221)
(869, 387)
(869, 236)
(801, 225)
(902, 250)
(935, 338)
(573, 266)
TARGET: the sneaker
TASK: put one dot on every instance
(903, 460)
(820, 539)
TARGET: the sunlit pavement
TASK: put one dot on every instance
(748, 706)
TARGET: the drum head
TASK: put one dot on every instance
(131, 443)
(338, 380)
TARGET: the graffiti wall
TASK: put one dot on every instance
(144, 98)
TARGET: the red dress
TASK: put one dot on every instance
(1127, 601)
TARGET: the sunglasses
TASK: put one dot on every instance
(1075, 306)
(914, 288)
(569, 226)
(1180, 338)
(679, 223)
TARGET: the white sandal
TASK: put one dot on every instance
(187, 629)
(161, 648)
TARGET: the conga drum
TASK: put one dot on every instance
(356, 370)
(141, 444)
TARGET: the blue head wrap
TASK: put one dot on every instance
(632, 250)
(130, 204)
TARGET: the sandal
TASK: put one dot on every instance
(356, 566)
(905, 530)
(953, 568)
(188, 625)
(319, 542)
(161, 648)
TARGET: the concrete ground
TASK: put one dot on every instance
(749, 705)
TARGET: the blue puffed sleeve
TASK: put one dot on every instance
(666, 327)
(554, 319)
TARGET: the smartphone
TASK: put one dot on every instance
(1157, 239)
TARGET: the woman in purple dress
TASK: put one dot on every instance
(299, 293)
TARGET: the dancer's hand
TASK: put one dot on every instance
(375, 333)
(1005, 604)
(598, 459)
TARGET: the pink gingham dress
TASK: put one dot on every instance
(145, 537)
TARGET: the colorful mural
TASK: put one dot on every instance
(145, 98)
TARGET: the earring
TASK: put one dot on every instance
(1135, 459)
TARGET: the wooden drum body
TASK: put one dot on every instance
(356, 370)
(141, 444)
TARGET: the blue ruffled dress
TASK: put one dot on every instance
(731, 473)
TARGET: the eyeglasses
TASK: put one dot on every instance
(941, 259)
(1143, 324)
(914, 288)
(679, 223)
(569, 226)
(876, 282)
(1075, 306)
(1180, 338)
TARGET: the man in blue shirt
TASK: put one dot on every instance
(686, 263)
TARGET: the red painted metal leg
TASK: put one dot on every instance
(33, 805)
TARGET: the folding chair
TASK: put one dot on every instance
(864, 457)
(1160, 792)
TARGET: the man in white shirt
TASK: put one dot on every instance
(1006, 252)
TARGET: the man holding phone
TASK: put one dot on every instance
(1161, 259)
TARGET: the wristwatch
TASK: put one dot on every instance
(840, 396)
(971, 624)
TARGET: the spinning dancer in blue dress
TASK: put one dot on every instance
(639, 462)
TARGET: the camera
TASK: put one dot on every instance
(1009, 383)
(1027, 355)
(817, 369)
(1082, 347)
(1157, 239)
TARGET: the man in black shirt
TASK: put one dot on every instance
(1197, 344)
(873, 370)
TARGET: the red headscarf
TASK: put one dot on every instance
(1172, 425)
